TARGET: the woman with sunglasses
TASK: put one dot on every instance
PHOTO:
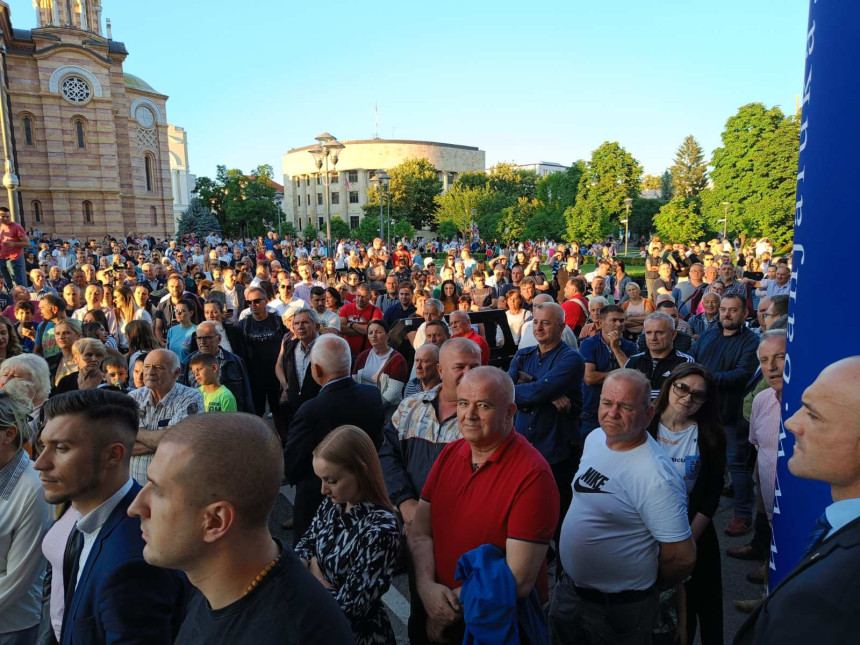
(687, 425)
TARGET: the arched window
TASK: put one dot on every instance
(154, 215)
(28, 131)
(88, 212)
(80, 135)
(147, 169)
(37, 211)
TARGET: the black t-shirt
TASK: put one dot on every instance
(262, 343)
(288, 607)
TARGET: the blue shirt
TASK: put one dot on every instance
(842, 513)
(556, 373)
(595, 350)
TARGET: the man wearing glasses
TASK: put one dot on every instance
(286, 299)
(13, 241)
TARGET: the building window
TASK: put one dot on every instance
(298, 181)
(147, 169)
(88, 212)
(335, 197)
(28, 131)
(319, 199)
(320, 224)
(299, 197)
(80, 135)
(76, 90)
(153, 214)
(353, 221)
(37, 211)
(319, 181)
(353, 197)
(334, 178)
(309, 200)
(352, 176)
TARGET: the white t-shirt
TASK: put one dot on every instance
(624, 503)
(683, 449)
(370, 372)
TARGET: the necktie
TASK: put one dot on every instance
(71, 566)
(816, 537)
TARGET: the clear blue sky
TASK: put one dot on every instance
(523, 81)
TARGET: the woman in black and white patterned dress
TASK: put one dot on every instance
(352, 544)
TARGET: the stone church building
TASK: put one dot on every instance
(88, 141)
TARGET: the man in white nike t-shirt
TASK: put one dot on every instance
(626, 528)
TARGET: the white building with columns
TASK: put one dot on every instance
(304, 185)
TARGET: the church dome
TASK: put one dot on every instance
(136, 83)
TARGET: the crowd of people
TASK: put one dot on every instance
(156, 395)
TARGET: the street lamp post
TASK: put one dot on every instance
(725, 220)
(628, 202)
(10, 179)
(327, 148)
(380, 181)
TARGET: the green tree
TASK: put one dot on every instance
(689, 172)
(368, 228)
(413, 189)
(473, 179)
(650, 182)
(403, 229)
(642, 215)
(339, 229)
(587, 227)
(197, 219)
(288, 229)
(447, 230)
(611, 175)
(755, 171)
(546, 223)
(309, 232)
(240, 202)
(560, 188)
(457, 204)
(680, 221)
(666, 191)
(514, 219)
(513, 182)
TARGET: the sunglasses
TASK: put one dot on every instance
(256, 301)
(682, 390)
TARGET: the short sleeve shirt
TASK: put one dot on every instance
(595, 350)
(357, 344)
(511, 496)
(11, 232)
(221, 400)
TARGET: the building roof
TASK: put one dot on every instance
(137, 83)
(384, 141)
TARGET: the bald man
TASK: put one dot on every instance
(819, 601)
(205, 511)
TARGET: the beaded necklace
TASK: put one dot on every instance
(261, 575)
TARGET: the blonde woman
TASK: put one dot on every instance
(126, 310)
(352, 544)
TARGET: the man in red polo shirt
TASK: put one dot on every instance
(354, 317)
(13, 241)
(490, 487)
(575, 305)
(461, 327)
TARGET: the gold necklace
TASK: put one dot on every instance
(261, 575)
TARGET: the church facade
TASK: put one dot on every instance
(88, 141)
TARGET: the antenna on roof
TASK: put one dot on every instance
(109, 32)
(376, 119)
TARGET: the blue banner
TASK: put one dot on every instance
(823, 314)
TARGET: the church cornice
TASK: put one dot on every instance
(39, 54)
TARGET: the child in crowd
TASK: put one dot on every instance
(137, 371)
(24, 312)
(216, 397)
(115, 369)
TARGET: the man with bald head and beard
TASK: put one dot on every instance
(205, 511)
(819, 601)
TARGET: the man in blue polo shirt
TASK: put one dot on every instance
(602, 354)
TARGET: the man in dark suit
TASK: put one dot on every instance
(111, 593)
(293, 368)
(340, 401)
(819, 601)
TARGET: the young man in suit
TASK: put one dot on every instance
(111, 593)
(340, 401)
(819, 601)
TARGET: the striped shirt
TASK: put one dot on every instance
(764, 434)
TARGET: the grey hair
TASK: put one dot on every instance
(211, 324)
(173, 357)
(598, 300)
(433, 302)
(15, 408)
(315, 319)
(632, 376)
(40, 375)
(661, 315)
(770, 334)
(556, 309)
(331, 354)
(781, 323)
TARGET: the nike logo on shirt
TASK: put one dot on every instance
(591, 481)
